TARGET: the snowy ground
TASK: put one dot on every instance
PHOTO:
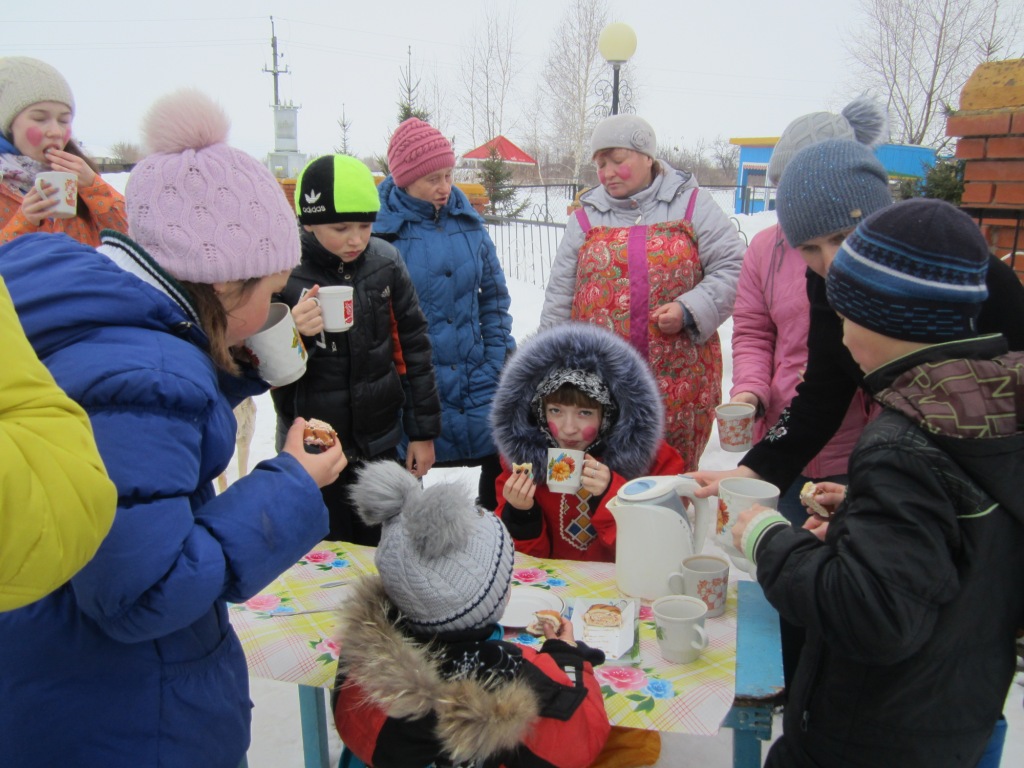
(276, 739)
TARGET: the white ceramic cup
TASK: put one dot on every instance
(277, 348)
(736, 494)
(66, 192)
(705, 577)
(564, 472)
(679, 625)
(337, 307)
(735, 426)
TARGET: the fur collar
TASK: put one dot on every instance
(630, 444)
(475, 719)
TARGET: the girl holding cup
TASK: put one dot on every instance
(146, 334)
(36, 111)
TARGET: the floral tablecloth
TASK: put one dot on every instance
(286, 633)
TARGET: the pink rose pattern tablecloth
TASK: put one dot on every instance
(283, 644)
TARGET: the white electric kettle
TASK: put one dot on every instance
(654, 532)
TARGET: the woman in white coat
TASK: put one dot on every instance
(647, 243)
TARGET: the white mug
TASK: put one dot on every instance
(276, 349)
(564, 473)
(337, 307)
(679, 625)
(66, 193)
(705, 577)
(735, 423)
(736, 494)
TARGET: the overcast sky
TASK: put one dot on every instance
(709, 68)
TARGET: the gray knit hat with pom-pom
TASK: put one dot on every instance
(862, 120)
(444, 563)
(206, 212)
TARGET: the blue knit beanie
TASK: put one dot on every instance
(830, 186)
(913, 271)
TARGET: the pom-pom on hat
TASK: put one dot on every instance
(828, 187)
(913, 271)
(444, 563)
(335, 188)
(417, 149)
(625, 132)
(206, 212)
(25, 81)
(863, 120)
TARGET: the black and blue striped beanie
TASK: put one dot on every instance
(913, 271)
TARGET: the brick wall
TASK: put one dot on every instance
(990, 127)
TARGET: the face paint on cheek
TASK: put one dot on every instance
(600, 177)
(34, 136)
(590, 434)
(625, 172)
(553, 429)
(67, 136)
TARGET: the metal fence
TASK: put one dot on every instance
(526, 248)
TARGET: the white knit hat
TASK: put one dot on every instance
(444, 563)
(25, 81)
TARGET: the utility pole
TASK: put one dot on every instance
(275, 71)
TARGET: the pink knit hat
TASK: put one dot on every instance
(417, 149)
(206, 212)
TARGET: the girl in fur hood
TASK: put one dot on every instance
(576, 386)
(424, 677)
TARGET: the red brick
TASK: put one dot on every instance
(1017, 122)
(970, 149)
(1003, 147)
(994, 170)
(981, 124)
(978, 192)
(1009, 193)
(1003, 237)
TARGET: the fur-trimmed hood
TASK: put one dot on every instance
(630, 444)
(475, 719)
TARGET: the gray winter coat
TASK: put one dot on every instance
(719, 246)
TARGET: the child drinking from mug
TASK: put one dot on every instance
(375, 380)
(580, 387)
(36, 111)
(145, 333)
(912, 600)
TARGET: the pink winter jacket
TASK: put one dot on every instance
(769, 344)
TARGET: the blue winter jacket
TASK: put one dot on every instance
(462, 292)
(134, 662)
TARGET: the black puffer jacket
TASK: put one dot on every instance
(912, 602)
(359, 381)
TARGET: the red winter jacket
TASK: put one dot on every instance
(396, 707)
(555, 528)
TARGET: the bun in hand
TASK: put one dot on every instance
(807, 494)
(549, 617)
(319, 434)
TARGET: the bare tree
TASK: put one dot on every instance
(919, 54)
(125, 153)
(491, 66)
(573, 68)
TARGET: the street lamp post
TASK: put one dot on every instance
(617, 44)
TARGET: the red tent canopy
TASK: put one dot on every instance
(507, 151)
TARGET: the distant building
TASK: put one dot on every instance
(286, 161)
(753, 194)
(524, 167)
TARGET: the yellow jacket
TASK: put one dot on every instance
(56, 502)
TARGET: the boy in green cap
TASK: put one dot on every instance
(375, 379)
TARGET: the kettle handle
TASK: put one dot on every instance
(703, 514)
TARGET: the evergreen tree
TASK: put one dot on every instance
(496, 177)
(407, 95)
